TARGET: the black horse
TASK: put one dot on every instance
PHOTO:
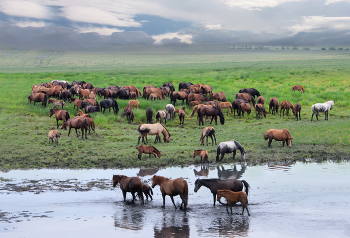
(184, 85)
(251, 91)
(88, 108)
(214, 112)
(65, 95)
(123, 94)
(215, 184)
(109, 103)
(149, 115)
(169, 85)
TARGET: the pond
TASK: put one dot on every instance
(285, 200)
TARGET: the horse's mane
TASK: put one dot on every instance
(289, 135)
(155, 148)
(166, 130)
(239, 146)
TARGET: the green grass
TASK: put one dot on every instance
(24, 127)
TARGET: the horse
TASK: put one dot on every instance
(196, 97)
(38, 97)
(161, 115)
(170, 86)
(148, 149)
(208, 131)
(90, 121)
(109, 103)
(227, 147)
(177, 95)
(213, 112)
(54, 135)
(129, 114)
(233, 197)
(172, 188)
(297, 110)
(129, 184)
(76, 123)
(227, 105)
(220, 96)
(64, 95)
(273, 105)
(149, 115)
(170, 110)
(298, 88)
(215, 184)
(251, 91)
(123, 93)
(182, 116)
(148, 91)
(155, 96)
(206, 89)
(279, 135)
(194, 103)
(246, 96)
(59, 114)
(153, 129)
(260, 100)
(285, 105)
(88, 108)
(202, 153)
(83, 93)
(147, 190)
(322, 107)
(260, 110)
(244, 107)
(134, 103)
(214, 103)
(236, 103)
(76, 102)
(184, 85)
(57, 103)
(203, 172)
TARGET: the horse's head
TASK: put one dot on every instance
(64, 124)
(51, 112)
(222, 118)
(154, 181)
(243, 154)
(197, 185)
(116, 179)
(30, 98)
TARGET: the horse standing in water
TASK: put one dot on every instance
(215, 184)
(233, 197)
(153, 129)
(214, 112)
(202, 153)
(279, 135)
(208, 131)
(229, 147)
(322, 107)
(129, 184)
(172, 188)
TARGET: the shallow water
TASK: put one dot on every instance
(290, 200)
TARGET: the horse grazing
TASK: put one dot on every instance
(170, 86)
(134, 103)
(322, 107)
(286, 105)
(90, 121)
(172, 188)
(236, 103)
(196, 97)
(129, 114)
(208, 131)
(76, 123)
(109, 103)
(227, 105)
(229, 147)
(215, 184)
(184, 85)
(88, 108)
(149, 115)
(246, 96)
(244, 107)
(38, 97)
(54, 135)
(279, 135)
(129, 184)
(251, 91)
(298, 88)
(213, 112)
(206, 89)
(57, 103)
(153, 129)
(233, 197)
(202, 153)
(297, 110)
(59, 114)
(170, 109)
(218, 96)
(148, 149)
(260, 100)
(161, 115)
(260, 110)
(177, 95)
(273, 105)
(182, 116)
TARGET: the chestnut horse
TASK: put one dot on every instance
(59, 114)
(196, 97)
(208, 131)
(227, 105)
(236, 103)
(148, 149)
(233, 197)
(279, 135)
(260, 100)
(182, 116)
(246, 96)
(134, 103)
(297, 110)
(244, 107)
(129, 114)
(76, 123)
(298, 88)
(202, 153)
(54, 135)
(274, 104)
(218, 96)
(177, 95)
(38, 97)
(286, 105)
(172, 188)
(129, 184)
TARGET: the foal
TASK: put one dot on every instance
(182, 116)
(54, 135)
(202, 153)
(208, 131)
(233, 197)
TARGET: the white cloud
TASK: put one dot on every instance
(256, 4)
(184, 38)
(30, 23)
(105, 31)
(320, 24)
(213, 27)
(335, 1)
(25, 9)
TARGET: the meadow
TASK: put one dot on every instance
(24, 127)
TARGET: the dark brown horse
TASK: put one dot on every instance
(251, 91)
(214, 112)
(233, 197)
(260, 100)
(149, 115)
(148, 149)
(182, 116)
(274, 104)
(177, 95)
(246, 96)
(297, 110)
(215, 184)
(61, 115)
(128, 113)
(76, 123)
(244, 107)
(89, 108)
(172, 188)
(38, 97)
(260, 110)
(129, 184)
(147, 190)
(196, 97)
(285, 105)
(236, 103)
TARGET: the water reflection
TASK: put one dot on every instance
(131, 217)
(146, 172)
(277, 166)
(203, 172)
(173, 225)
(230, 173)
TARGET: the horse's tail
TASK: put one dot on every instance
(67, 116)
(246, 185)
(142, 131)
(45, 100)
(85, 124)
(218, 151)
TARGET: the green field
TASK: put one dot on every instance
(24, 127)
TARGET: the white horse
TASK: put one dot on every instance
(170, 110)
(229, 147)
(322, 107)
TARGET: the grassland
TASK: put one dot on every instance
(24, 126)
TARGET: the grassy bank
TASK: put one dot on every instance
(24, 126)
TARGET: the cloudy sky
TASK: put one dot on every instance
(87, 23)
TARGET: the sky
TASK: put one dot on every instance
(99, 23)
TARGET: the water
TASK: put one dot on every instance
(290, 200)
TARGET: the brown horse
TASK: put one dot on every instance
(236, 103)
(220, 96)
(134, 103)
(194, 103)
(83, 93)
(214, 112)
(155, 96)
(76, 123)
(203, 172)
(233, 197)
(57, 103)
(279, 135)
(54, 135)
(149, 115)
(76, 102)
(38, 97)
(196, 97)
(129, 114)
(129, 184)
(298, 88)
(260, 100)
(90, 121)
(202, 153)
(244, 107)
(214, 103)
(227, 105)
(147, 190)
(153, 129)
(178, 95)
(59, 114)
(246, 96)
(182, 116)
(208, 131)
(285, 105)
(273, 105)
(297, 110)
(172, 188)
(260, 110)
(148, 149)
(206, 89)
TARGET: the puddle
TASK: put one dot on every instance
(285, 200)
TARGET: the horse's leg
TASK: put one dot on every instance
(172, 199)
(214, 198)
(124, 195)
(163, 200)
(326, 115)
(312, 115)
(139, 155)
(234, 154)
(283, 143)
(138, 141)
(270, 141)
(214, 139)
(211, 140)
(133, 197)
(57, 122)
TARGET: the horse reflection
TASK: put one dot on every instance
(173, 226)
(230, 173)
(203, 172)
(282, 167)
(225, 226)
(131, 218)
(146, 172)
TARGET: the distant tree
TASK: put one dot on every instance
(340, 48)
(306, 48)
(295, 48)
(347, 49)
(323, 48)
(332, 48)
